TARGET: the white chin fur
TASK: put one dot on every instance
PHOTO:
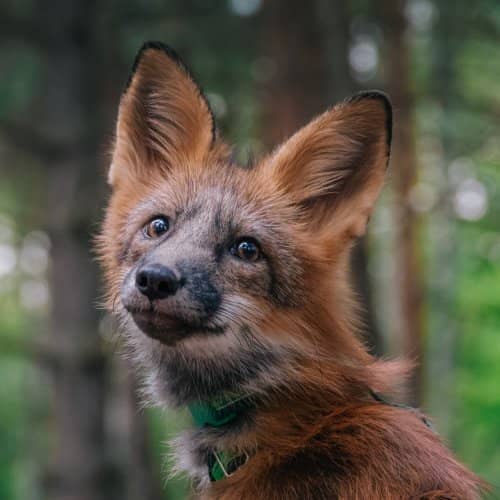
(148, 355)
(186, 460)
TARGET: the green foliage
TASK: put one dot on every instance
(455, 74)
(476, 433)
(165, 426)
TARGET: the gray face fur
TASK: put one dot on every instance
(201, 320)
(208, 329)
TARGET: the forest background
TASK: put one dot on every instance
(71, 425)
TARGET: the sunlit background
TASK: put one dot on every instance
(428, 272)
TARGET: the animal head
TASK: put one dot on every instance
(222, 272)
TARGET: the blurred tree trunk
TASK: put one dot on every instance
(293, 42)
(79, 470)
(448, 37)
(404, 174)
(129, 437)
(79, 96)
(141, 481)
(307, 45)
(335, 20)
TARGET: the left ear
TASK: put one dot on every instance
(334, 167)
(163, 120)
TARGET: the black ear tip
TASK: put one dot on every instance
(173, 56)
(384, 99)
(159, 46)
(153, 45)
(372, 94)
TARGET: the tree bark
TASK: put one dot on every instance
(78, 468)
(404, 174)
(293, 42)
(445, 331)
(335, 20)
(307, 44)
(142, 482)
(129, 437)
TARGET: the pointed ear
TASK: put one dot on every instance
(163, 118)
(334, 167)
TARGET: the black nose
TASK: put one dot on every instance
(156, 281)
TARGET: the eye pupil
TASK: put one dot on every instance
(157, 227)
(248, 250)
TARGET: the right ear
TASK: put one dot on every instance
(333, 168)
(163, 119)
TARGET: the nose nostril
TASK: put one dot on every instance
(142, 280)
(157, 282)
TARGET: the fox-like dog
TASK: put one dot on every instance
(231, 286)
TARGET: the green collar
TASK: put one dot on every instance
(218, 413)
(226, 409)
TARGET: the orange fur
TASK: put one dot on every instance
(316, 432)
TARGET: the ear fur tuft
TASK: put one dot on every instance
(386, 101)
(174, 56)
(333, 168)
(164, 119)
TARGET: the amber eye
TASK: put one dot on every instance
(246, 249)
(156, 227)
